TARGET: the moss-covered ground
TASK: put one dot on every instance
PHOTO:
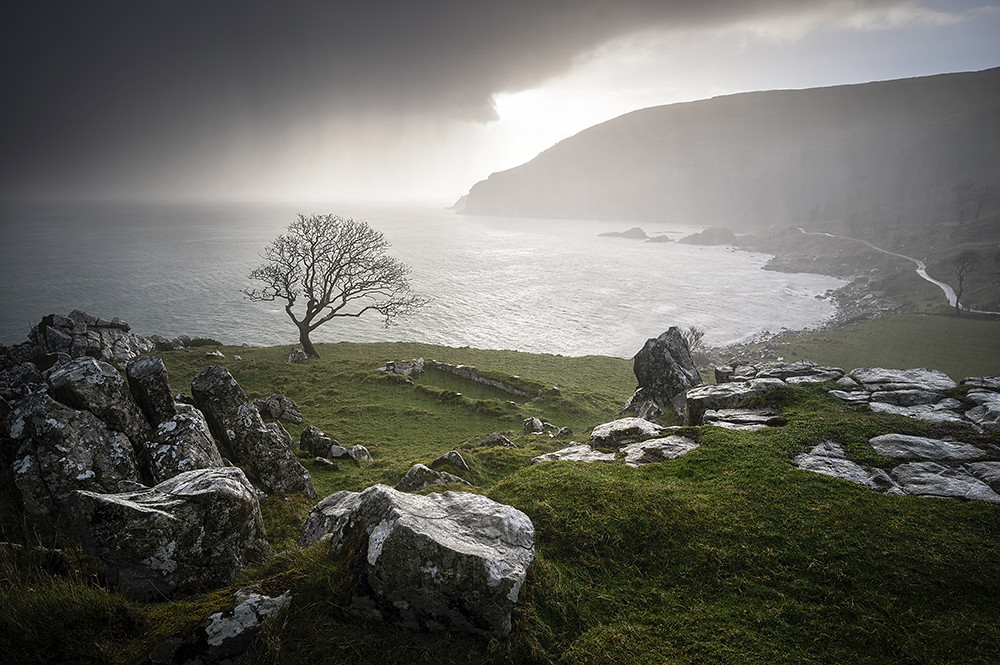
(726, 555)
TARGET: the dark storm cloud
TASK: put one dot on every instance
(95, 89)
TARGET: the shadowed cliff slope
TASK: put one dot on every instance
(883, 151)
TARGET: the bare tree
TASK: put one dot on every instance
(961, 266)
(694, 338)
(332, 267)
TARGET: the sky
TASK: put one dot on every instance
(404, 101)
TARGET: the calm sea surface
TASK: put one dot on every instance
(551, 286)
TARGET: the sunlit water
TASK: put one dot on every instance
(550, 286)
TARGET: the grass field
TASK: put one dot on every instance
(726, 555)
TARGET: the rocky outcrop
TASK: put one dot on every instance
(420, 476)
(413, 369)
(575, 452)
(80, 334)
(634, 233)
(181, 443)
(150, 387)
(95, 386)
(315, 442)
(279, 407)
(243, 437)
(223, 635)
(59, 450)
(448, 561)
(621, 432)
(198, 529)
(655, 450)
(665, 371)
(714, 235)
(724, 396)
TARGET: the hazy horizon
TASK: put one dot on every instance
(394, 103)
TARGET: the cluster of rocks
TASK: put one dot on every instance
(325, 450)
(414, 369)
(927, 467)
(923, 394)
(634, 440)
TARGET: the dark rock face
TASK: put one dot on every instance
(243, 437)
(315, 442)
(96, 386)
(182, 443)
(80, 334)
(279, 407)
(716, 235)
(665, 372)
(198, 529)
(60, 450)
(150, 386)
(448, 561)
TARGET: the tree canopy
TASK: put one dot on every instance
(325, 267)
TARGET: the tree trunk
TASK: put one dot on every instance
(306, 343)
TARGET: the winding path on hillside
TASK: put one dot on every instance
(949, 293)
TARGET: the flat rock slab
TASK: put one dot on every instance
(657, 450)
(902, 446)
(447, 561)
(828, 458)
(576, 452)
(880, 378)
(988, 472)
(724, 396)
(931, 413)
(621, 432)
(933, 479)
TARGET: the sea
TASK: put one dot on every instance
(537, 285)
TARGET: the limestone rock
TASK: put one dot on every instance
(532, 426)
(223, 635)
(988, 472)
(933, 479)
(902, 446)
(906, 397)
(80, 334)
(279, 407)
(198, 529)
(360, 454)
(20, 380)
(656, 450)
(60, 450)
(150, 386)
(315, 442)
(987, 382)
(91, 385)
(297, 356)
(420, 476)
(986, 413)
(447, 561)
(497, 439)
(932, 413)
(725, 396)
(879, 378)
(243, 437)
(617, 433)
(664, 370)
(414, 369)
(828, 458)
(182, 443)
(575, 452)
(742, 419)
(450, 458)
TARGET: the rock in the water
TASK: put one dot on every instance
(182, 443)
(933, 479)
(879, 378)
(450, 458)
(279, 407)
(315, 442)
(665, 371)
(199, 529)
(420, 476)
(224, 635)
(656, 450)
(60, 450)
(243, 437)
(714, 235)
(497, 439)
(575, 452)
(150, 386)
(448, 561)
(902, 446)
(618, 433)
(725, 396)
(91, 385)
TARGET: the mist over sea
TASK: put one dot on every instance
(548, 286)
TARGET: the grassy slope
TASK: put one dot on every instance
(728, 554)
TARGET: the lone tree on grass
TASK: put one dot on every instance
(325, 267)
(961, 266)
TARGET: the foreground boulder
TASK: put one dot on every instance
(92, 385)
(150, 386)
(197, 530)
(181, 443)
(59, 450)
(665, 371)
(243, 437)
(449, 561)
